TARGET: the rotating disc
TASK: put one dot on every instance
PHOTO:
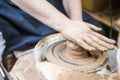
(55, 54)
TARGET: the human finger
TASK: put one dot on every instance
(84, 45)
(103, 37)
(101, 42)
(94, 44)
(93, 27)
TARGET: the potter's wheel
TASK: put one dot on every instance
(53, 47)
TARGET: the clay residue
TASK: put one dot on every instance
(72, 75)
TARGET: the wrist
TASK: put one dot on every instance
(74, 18)
(62, 24)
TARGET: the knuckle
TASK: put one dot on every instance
(96, 40)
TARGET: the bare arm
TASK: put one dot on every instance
(44, 12)
(73, 9)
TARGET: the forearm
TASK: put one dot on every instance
(73, 9)
(44, 12)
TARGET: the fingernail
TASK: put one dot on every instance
(113, 41)
(106, 49)
(100, 28)
(113, 47)
(92, 49)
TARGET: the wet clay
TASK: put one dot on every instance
(75, 59)
(73, 51)
(76, 54)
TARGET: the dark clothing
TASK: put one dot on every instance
(21, 31)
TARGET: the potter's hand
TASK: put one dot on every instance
(84, 35)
